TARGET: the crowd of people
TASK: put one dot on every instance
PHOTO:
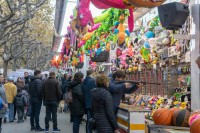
(97, 96)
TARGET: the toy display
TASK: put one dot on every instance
(142, 48)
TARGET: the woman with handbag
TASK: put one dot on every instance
(104, 117)
(76, 105)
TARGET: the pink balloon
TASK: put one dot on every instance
(104, 4)
(81, 44)
(131, 20)
(94, 27)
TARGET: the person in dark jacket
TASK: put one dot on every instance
(26, 78)
(20, 103)
(51, 93)
(65, 84)
(88, 85)
(103, 107)
(77, 107)
(118, 89)
(4, 101)
(35, 92)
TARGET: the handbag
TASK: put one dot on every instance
(29, 109)
(69, 97)
(92, 123)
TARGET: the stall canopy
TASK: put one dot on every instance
(19, 73)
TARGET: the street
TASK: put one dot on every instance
(63, 124)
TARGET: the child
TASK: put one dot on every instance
(20, 103)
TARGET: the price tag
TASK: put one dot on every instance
(154, 66)
(139, 68)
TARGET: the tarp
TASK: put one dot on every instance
(19, 73)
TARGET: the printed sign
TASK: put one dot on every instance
(172, 51)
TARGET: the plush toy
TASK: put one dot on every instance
(66, 58)
(162, 37)
(122, 59)
(154, 57)
(76, 27)
(120, 31)
(75, 61)
(79, 24)
(145, 54)
(149, 34)
(183, 105)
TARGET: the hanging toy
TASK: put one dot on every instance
(96, 26)
(120, 31)
(145, 54)
(74, 61)
(83, 18)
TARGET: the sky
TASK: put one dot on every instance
(69, 12)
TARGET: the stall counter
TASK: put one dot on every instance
(131, 119)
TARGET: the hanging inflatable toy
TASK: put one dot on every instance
(102, 17)
(75, 61)
(126, 4)
(96, 26)
(84, 17)
(107, 46)
(120, 31)
(85, 38)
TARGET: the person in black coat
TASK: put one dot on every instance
(77, 107)
(65, 84)
(51, 94)
(103, 107)
(88, 85)
(26, 78)
(35, 92)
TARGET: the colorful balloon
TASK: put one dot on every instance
(102, 16)
(94, 27)
(87, 36)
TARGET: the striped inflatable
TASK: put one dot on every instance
(181, 117)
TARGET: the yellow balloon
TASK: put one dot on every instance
(87, 36)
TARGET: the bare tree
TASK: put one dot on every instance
(15, 36)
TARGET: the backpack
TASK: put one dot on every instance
(69, 97)
(19, 101)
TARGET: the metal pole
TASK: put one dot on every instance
(195, 52)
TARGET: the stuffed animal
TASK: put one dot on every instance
(79, 24)
(121, 31)
(122, 59)
(162, 37)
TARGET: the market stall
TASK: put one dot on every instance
(155, 49)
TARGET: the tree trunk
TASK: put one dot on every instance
(5, 68)
(14, 65)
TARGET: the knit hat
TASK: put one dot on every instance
(10, 79)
